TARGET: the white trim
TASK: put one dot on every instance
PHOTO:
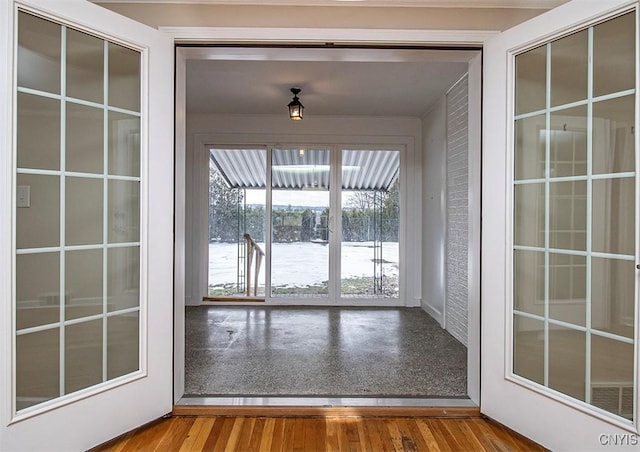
(474, 225)
(179, 245)
(284, 35)
(185, 35)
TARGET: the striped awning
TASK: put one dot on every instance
(306, 168)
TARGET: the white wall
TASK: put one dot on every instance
(457, 239)
(433, 214)
(262, 129)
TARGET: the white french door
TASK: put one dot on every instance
(86, 224)
(560, 227)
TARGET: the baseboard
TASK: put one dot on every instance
(433, 312)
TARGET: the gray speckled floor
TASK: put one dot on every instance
(291, 351)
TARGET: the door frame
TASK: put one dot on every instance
(472, 39)
(335, 144)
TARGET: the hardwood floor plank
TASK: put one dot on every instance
(441, 437)
(319, 434)
(198, 435)
(370, 431)
(219, 444)
(256, 435)
(410, 428)
(245, 434)
(353, 439)
(298, 435)
(365, 442)
(267, 435)
(288, 435)
(175, 434)
(394, 433)
(313, 434)
(332, 440)
(278, 436)
(427, 435)
(234, 435)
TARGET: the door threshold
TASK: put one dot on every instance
(326, 406)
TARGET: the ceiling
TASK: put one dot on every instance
(533, 4)
(334, 82)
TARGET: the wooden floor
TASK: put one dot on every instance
(308, 434)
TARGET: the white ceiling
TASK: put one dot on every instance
(334, 82)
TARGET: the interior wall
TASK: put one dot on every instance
(263, 129)
(457, 207)
(433, 204)
(202, 15)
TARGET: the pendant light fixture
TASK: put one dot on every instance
(295, 107)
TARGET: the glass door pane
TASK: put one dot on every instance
(237, 222)
(575, 225)
(370, 249)
(77, 215)
(300, 222)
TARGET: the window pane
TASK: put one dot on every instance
(38, 53)
(83, 283)
(123, 346)
(528, 281)
(84, 139)
(39, 224)
(38, 118)
(569, 69)
(612, 376)
(37, 289)
(85, 66)
(300, 219)
(124, 78)
(370, 252)
(37, 367)
(531, 75)
(613, 138)
(528, 348)
(568, 147)
(530, 148)
(568, 215)
(568, 288)
(84, 211)
(529, 214)
(237, 221)
(124, 144)
(614, 44)
(614, 216)
(123, 289)
(83, 355)
(613, 296)
(124, 211)
(567, 360)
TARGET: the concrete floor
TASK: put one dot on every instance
(320, 351)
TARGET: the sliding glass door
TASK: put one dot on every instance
(300, 214)
(370, 248)
(273, 214)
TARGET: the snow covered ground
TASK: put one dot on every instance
(303, 264)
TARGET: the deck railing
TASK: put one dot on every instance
(253, 258)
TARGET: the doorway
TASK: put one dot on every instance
(337, 135)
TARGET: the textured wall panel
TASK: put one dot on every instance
(457, 244)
